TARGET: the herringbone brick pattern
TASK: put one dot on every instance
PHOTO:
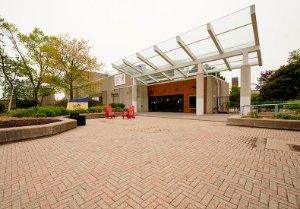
(151, 163)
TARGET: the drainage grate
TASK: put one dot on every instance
(295, 147)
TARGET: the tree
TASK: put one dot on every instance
(294, 56)
(37, 46)
(31, 50)
(71, 62)
(284, 83)
(234, 95)
(264, 75)
(9, 68)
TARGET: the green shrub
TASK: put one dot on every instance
(63, 110)
(253, 114)
(118, 109)
(2, 107)
(96, 109)
(93, 103)
(286, 116)
(80, 111)
(292, 106)
(20, 113)
(39, 112)
(115, 105)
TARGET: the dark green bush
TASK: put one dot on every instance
(115, 105)
(62, 103)
(93, 103)
(39, 112)
(25, 103)
(2, 107)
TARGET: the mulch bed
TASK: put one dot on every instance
(14, 122)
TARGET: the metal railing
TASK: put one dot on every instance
(276, 106)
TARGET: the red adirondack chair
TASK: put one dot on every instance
(109, 113)
(129, 113)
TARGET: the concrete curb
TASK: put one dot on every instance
(264, 123)
(29, 132)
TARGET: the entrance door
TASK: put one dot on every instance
(168, 103)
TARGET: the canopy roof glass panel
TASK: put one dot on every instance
(218, 46)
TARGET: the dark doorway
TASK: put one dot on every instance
(169, 103)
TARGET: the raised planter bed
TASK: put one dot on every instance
(34, 131)
(94, 115)
(264, 123)
(26, 122)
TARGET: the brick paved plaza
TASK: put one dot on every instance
(151, 162)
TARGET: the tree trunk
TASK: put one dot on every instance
(42, 99)
(11, 97)
(71, 90)
(35, 97)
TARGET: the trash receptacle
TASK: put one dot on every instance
(81, 120)
(74, 114)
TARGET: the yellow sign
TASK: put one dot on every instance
(77, 105)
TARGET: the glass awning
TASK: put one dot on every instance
(218, 46)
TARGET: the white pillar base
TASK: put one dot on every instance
(200, 91)
(134, 95)
(245, 91)
(245, 101)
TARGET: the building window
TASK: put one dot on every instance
(192, 102)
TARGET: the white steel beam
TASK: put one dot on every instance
(154, 79)
(236, 67)
(141, 81)
(182, 73)
(143, 59)
(168, 77)
(129, 64)
(185, 48)
(163, 55)
(168, 59)
(255, 31)
(204, 70)
(123, 71)
(217, 43)
(208, 59)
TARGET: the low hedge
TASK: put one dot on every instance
(51, 111)
(116, 105)
(286, 116)
(119, 109)
(96, 109)
(39, 112)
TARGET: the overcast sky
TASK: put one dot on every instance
(118, 28)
